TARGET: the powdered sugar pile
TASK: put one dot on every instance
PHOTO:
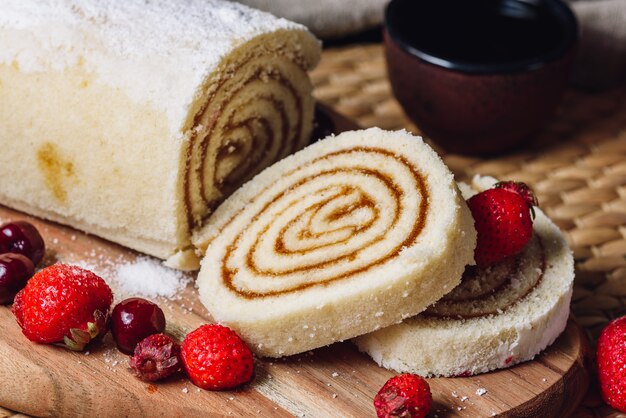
(147, 277)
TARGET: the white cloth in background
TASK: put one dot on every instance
(602, 51)
(601, 55)
(326, 18)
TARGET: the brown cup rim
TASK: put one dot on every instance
(561, 10)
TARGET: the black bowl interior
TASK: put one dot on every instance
(483, 36)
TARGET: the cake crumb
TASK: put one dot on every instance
(184, 390)
(335, 374)
(464, 398)
(334, 395)
(481, 391)
(455, 394)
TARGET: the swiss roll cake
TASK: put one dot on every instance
(354, 233)
(498, 316)
(133, 119)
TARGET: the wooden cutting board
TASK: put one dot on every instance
(335, 381)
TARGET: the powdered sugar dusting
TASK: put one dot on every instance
(122, 42)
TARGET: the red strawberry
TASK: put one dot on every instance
(502, 217)
(405, 395)
(216, 358)
(65, 304)
(521, 189)
(156, 357)
(611, 355)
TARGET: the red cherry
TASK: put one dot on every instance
(23, 238)
(133, 320)
(15, 270)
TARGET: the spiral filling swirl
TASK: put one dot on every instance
(492, 290)
(258, 110)
(329, 219)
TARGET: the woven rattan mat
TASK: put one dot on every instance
(577, 167)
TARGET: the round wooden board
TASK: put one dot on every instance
(333, 381)
(336, 381)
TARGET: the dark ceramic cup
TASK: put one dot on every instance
(479, 76)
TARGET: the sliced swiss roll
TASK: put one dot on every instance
(497, 317)
(351, 234)
(132, 119)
